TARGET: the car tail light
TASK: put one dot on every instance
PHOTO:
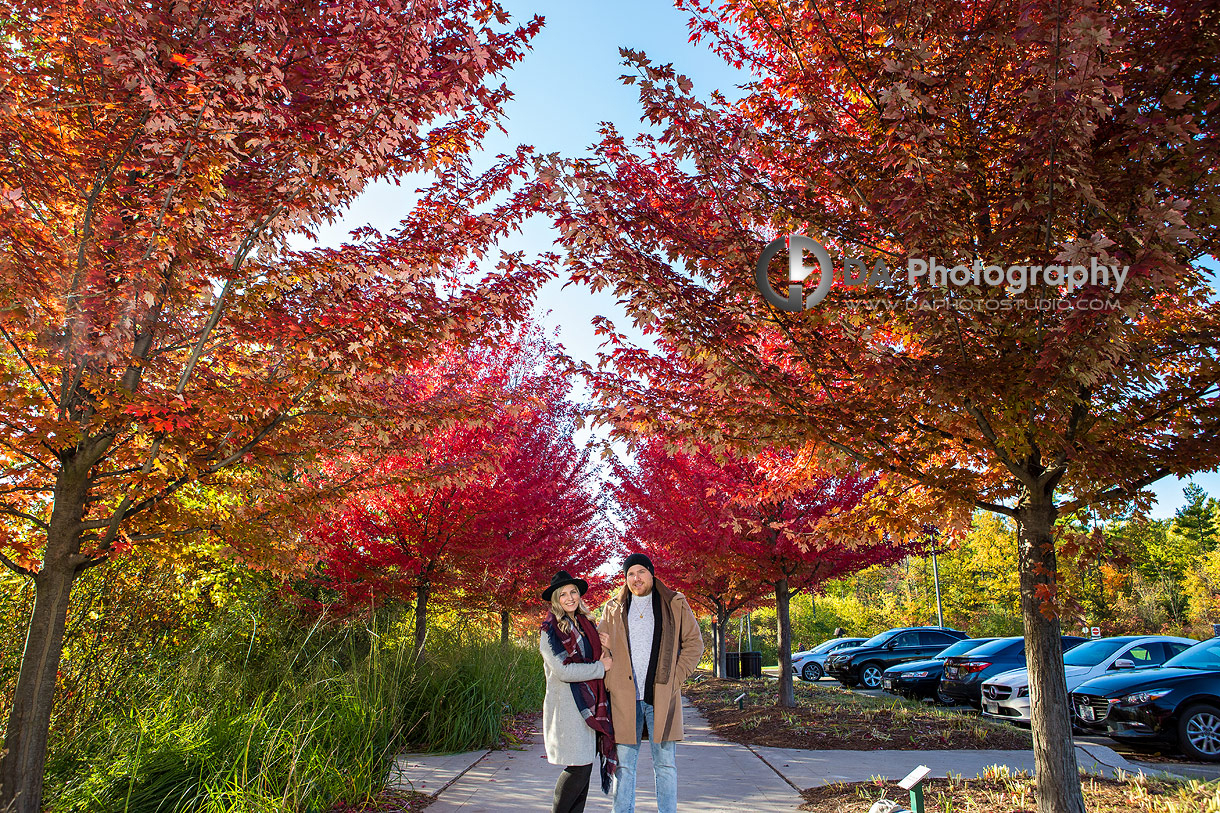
(970, 667)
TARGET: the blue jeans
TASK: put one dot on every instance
(664, 767)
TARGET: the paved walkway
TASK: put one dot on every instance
(714, 776)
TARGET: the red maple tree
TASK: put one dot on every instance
(158, 333)
(542, 514)
(1041, 134)
(728, 531)
(477, 516)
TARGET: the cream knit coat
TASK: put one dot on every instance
(568, 739)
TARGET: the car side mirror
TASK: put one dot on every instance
(1123, 663)
(891, 644)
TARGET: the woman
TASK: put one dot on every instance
(576, 723)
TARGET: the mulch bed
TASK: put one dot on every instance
(1014, 794)
(836, 719)
(518, 731)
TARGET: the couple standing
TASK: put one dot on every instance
(608, 686)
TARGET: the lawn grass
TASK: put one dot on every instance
(833, 718)
(1002, 791)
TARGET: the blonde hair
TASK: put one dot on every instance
(561, 615)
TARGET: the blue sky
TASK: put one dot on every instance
(563, 89)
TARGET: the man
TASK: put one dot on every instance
(656, 640)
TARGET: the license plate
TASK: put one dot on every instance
(991, 708)
(887, 684)
(950, 671)
(1086, 713)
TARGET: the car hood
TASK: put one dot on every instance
(849, 650)
(915, 666)
(1110, 685)
(1014, 678)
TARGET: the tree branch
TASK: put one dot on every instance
(16, 568)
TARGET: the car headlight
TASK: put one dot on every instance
(1023, 691)
(915, 674)
(1147, 696)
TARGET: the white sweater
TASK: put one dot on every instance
(640, 628)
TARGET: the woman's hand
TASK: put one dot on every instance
(607, 662)
(605, 638)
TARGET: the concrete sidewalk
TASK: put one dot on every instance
(807, 769)
(714, 776)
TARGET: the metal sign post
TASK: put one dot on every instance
(940, 616)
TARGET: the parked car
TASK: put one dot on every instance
(1006, 695)
(1178, 703)
(919, 679)
(811, 665)
(864, 664)
(965, 674)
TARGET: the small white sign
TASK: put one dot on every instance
(914, 777)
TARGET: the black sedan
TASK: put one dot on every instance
(864, 664)
(964, 674)
(1178, 704)
(919, 679)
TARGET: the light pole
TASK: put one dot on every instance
(940, 617)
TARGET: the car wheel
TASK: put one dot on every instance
(1199, 733)
(870, 675)
(811, 671)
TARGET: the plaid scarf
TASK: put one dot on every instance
(591, 697)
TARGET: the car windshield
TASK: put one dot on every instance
(996, 647)
(958, 648)
(826, 647)
(1205, 655)
(1092, 653)
(879, 639)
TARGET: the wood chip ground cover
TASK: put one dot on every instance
(1003, 792)
(831, 718)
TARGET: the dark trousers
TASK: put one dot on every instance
(572, 789)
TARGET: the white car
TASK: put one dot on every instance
(811, 665)
(1006, 696)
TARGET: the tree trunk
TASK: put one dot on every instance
(29, 721)
(787, 698)
(1056, 782)
(722, 626)
(421, 617)
(505, 618)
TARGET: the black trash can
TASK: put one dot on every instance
(732, 665)
(751, 664)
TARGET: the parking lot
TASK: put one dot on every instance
(1153, 761)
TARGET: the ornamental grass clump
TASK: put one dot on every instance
(278, 718)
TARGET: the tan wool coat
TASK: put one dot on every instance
(679, 653)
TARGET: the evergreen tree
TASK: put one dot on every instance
(1196, 521)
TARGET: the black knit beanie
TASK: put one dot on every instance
(638, 559)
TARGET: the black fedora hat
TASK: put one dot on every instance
(560, 579)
